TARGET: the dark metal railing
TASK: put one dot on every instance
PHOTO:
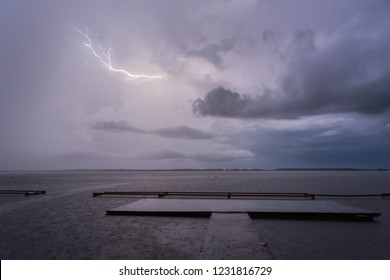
(162, 194)
(24, 192)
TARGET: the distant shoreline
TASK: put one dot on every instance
(202, 170)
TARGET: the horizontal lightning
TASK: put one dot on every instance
(104, 57)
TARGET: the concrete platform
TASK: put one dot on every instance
(304, 209)
(233, 236)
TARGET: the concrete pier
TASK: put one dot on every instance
(285, 209)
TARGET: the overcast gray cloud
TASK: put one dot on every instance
(183, 132)
(117, 127)
(214, 52)
(262, 71)
(179, 132)
(217, 156)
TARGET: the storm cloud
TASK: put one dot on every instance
(214, 52)
(350, 75)
(179, 132)
(217, 156)
(279, 85)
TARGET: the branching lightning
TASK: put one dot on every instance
(103, 55)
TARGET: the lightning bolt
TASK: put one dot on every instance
(103, 55)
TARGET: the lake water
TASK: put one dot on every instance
(262, 181)
(68, 223)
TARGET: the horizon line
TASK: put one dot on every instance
(203, 169)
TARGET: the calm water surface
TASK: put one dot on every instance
(62, 182)
(68, 223)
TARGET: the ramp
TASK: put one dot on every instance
(233, 236)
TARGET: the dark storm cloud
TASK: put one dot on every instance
(317, 148)
(222, 102)
(351, 75)
(179, 132)
(273, 58)
(359, 141)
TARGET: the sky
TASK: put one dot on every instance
(238, 84)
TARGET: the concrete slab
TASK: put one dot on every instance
(233, 236)
(256, 208)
